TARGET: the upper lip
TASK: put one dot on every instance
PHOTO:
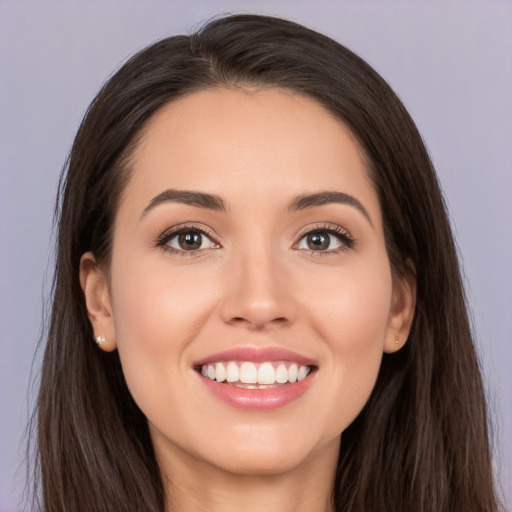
(256, 355)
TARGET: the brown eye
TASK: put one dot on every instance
(318, 241)
(190, 240)
(328, 240)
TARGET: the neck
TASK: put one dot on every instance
(194, 485)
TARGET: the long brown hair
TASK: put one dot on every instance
(421, 442)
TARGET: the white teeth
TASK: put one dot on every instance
(266, 374)
(292, 373)
(220, 372)
(232, 372)
(281, 374)
(249, 373)
(303, 372)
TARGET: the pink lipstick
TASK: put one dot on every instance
(256, 379)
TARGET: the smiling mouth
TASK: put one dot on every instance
(250, 375)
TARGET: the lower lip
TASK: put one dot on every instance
(258, 399)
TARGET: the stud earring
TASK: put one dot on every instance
(100, 340)
(397, 341)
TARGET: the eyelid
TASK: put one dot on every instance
(324, 226)
(173, 231)
(343, 234)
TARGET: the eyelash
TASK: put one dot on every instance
(169, 234)
(346, 239)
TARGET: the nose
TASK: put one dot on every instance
(258, 293)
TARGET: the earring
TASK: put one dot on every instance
(397, 341)
(100, 340)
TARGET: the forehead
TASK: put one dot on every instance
(247, 146)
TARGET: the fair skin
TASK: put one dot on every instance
(266, 271)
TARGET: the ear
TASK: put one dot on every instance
(94, 284)
(402, 311)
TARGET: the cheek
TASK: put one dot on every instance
(149, 308)
(352, 318)
(157, 302)
(157, 314)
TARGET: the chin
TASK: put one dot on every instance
(263, 464)
(266, 455)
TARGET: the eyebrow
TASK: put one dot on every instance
(216, 203)
(199, 199)
(304, 201)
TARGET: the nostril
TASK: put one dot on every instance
(239, 321)
(276, 322)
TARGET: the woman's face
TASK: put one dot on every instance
(248, 246)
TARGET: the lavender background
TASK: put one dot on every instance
(449, 61)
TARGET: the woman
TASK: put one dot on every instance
(257, 299)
